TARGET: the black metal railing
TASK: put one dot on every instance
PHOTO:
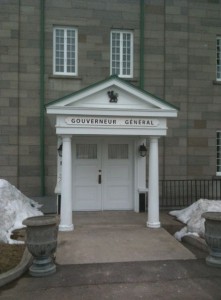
(182, 193)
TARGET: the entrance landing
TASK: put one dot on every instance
(107, 237)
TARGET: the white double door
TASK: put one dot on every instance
(102, 174)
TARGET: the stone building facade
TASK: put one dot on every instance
(174, 58)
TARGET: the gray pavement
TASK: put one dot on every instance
(161, 276)
(179, 279)
(102, 237)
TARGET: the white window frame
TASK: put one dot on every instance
(218, 153)
(122, 32)
(65, 72)
(218, 58)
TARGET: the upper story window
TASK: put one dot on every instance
(218, 58)
(121, 53)
(65, 51)
(218, 153)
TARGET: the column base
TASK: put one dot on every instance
(153, 224)
(66, 227)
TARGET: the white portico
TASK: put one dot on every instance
(101, 129)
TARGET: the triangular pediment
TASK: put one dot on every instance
(112, 95)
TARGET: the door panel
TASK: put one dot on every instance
(86, 163)
(118, 172)
(117, 167)
(86, 174)
(112, 160)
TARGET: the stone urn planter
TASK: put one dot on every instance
(41, 240)
(213, 237)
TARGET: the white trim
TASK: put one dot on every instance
(143, 190)
(54, 110)
(111, 131)
(65, 51)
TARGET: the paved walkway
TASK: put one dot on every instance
(102, 237)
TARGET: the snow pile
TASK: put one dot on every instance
(191, 216)
(14, 208)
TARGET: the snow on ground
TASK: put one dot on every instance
(14, 208)
(191, 216)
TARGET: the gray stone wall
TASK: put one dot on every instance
(29, 104)
(9, 31)
(180, 58)
(19, 94)
(182, 71)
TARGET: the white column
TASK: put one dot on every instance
(66, 186)
(153, 187)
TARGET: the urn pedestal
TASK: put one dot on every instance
(213, 237)
(41, 240)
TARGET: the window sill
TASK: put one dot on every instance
(131, 80)
(65, 77)
(217, 82)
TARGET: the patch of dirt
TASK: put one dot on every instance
(11, 255)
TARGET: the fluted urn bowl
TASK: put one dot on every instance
(41, 241)
(213, 237)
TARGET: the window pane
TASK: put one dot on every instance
(115, 53)
(218, 153)
(71, 51)
(118, 151)
(86, 151)
(126, 53)
(218, 58)
(65, 50)
(121, 59)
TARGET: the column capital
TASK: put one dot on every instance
(68, 136)
(155, 137)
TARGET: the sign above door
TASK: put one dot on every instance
(79, 121)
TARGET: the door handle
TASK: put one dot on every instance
(99, 178)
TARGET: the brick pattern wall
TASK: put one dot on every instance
(182, 71)
(29, 104)
(9, 31)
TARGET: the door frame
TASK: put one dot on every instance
(101, 141)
